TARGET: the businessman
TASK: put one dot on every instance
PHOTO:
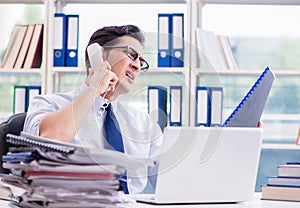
(80, 116)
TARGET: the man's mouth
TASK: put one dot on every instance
(130, 75)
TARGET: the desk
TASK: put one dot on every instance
(255, 203)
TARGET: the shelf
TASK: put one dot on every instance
(150, 71)
(21, 71)
(257, 2)
(281, 117)
(123, 1)
(68, 70)
(245, 72)
(281, 146)
(22, 1)
(167, 70)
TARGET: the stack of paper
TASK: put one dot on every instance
(45, 173)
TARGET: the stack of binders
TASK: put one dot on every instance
(65, 40)
(209, 105)
(157, 105)
(47, 173)
(171, 40)
(23, 96)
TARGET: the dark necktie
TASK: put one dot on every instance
(114, 139)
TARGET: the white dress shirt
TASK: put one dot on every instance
(142, 137)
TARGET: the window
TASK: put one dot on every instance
(262, 36)
(27, 14)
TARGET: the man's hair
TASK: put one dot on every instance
(109, 36)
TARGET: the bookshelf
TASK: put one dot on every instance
(197, 73)
(57, 74)
(42, 71)
(51, 76)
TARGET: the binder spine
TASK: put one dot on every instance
(157, 105)
(164, 40)
(31, 92)
(60, 37)
(21, 140)
(202, 106)
(216, 103)
(71, 56)
(175, 106)
(177, 39)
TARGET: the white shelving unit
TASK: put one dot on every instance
(197, 73)
(191, 72)
(43, 70)
(61, 71)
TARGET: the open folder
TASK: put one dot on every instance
(249, 110)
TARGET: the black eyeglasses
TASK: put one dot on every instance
(133, 55)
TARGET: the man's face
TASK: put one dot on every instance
(124, 66)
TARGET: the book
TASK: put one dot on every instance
(214, 51)
(281, 193)
(14, 47)
(225, 43)
(282, 181)
(214, 55)
(12, 39)
(249, 110)
(202, 48)
(24, 48)
(224, 56)
(34, 54)
(289, 170)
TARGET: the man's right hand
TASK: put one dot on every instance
(102, 79)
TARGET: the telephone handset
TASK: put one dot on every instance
(95, 57)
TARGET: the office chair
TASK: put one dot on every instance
(13, 125)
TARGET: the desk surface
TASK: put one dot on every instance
(255, 203)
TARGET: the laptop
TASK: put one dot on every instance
(206, 165)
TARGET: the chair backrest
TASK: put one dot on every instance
(13, 125)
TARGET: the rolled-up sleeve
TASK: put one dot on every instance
(40, 106)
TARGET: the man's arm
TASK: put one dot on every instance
(64, 123)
